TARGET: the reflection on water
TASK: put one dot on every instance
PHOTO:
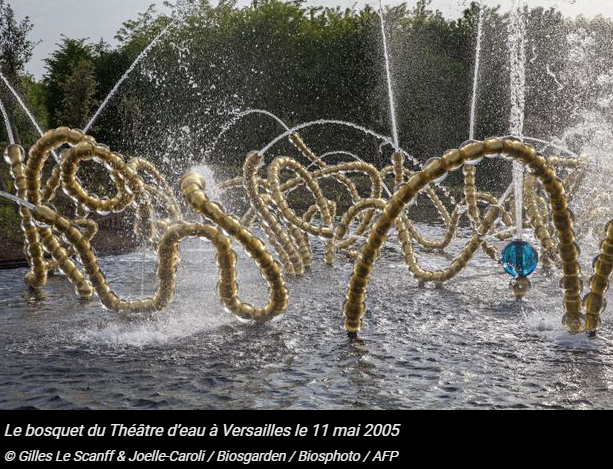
(467, 344)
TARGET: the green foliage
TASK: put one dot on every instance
(79, 91)
(33, 93)
(15, 51)
(9, 224)
(303, 63)
(15, 47)
(9, 217)
(61, 66)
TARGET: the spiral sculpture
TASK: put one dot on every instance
(161, 222)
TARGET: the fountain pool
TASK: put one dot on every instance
(472, 347)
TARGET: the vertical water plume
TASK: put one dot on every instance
(473, 105)
(517, 57)
(388, 72)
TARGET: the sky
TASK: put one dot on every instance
(100, 19)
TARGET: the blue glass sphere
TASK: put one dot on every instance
(519, 259)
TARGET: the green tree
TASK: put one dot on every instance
(304, 63)
(15, 47)
(15, 51)
(79, 91)
(60, 67)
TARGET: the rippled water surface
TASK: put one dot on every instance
(465, 345)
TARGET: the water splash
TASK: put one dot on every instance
(590, 134)
(360, 128)
(388, 72)
(517, 57)
(473, 105)
(264, 113)
(7, 123)
(552, 144)
(140, 57)
(503, 198)
(235, 120)
(555, 78)
(350, 155)
(212, 189)
(143, 261)
(534, 55)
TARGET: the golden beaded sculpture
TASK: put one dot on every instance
(289, 234)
